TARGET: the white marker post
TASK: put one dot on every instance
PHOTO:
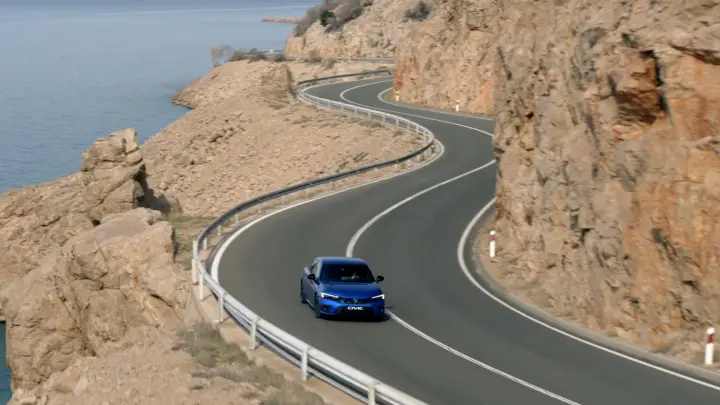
(397, 95)
(457, 105)
(492, 244)
(709, 346)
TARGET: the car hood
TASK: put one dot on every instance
(352, 290)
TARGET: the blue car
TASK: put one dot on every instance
(342, 286)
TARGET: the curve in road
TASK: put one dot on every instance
(449, 343)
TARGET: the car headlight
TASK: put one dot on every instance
(330, 296)
(378, 297)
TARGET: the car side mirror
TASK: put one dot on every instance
(380, 278)
(311, 276)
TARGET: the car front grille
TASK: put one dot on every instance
(355, 300)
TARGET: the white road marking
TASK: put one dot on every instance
(342, 96)
(214, 271)
(351, 248)
(468, 274)
(461, 260)
(477, 117)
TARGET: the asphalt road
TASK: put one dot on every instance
(498, 357)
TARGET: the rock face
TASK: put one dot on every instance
(375, 33)
(37, 219)
(247, 135)
(102, 287)
(95, 273)
(450, 57)
(607, 146)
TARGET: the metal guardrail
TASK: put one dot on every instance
(338, 58)
(310, 360)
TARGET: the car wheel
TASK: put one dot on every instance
(302, 296)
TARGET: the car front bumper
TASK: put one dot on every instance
(332, 307)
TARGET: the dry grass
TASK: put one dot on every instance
(419, 12)
(208, 348)
(187, 228)
(220, 359)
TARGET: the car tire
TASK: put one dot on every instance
(302, 296)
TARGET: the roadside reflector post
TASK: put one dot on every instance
(457, 105)
(397, 95)
(492, 244)
(709, 346)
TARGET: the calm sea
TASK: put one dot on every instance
(72, 71)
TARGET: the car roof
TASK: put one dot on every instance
(341, 260)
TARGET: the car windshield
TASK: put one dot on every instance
(346, 273)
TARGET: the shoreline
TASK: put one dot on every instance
(222, 116)
(282, 20)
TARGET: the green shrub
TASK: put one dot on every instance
(419, 12)
(311, 15)
(277, 57)
(313, 56)
(346, 12)
(239, 54)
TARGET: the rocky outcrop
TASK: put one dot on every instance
(96, 275)
(247, 135)
(608, 151)
(37, 219)
(450, 58)
(101, 288)
(375, 32)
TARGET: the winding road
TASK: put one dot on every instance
(449, 343)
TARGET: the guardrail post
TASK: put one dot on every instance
(194, 263)
(219, 230)
(304, 363)
(253, 333)
(221, 307)
(371, 392)
(201, 287)
(205, 243)
(237, 218)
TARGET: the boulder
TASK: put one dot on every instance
(102, 287)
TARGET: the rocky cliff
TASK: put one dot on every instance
(361, 28)
(608, 151)
(94, 266)
(36, 219)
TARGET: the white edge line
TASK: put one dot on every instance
(468, 274)
(350, 250)
(218, 256)
(461, 260)
(342, 96)
(437, 111)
